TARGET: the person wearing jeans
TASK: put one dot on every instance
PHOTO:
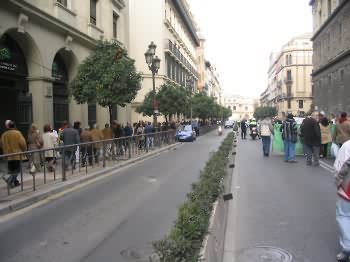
(289, 131)
(265, 132)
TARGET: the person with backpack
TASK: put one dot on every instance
(265, 132)
(289, 132)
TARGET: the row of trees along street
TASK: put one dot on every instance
(173, 99)
(108, 77)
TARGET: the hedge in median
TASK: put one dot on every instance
(185, 239)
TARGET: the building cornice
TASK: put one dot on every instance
(180, 7)
(329, 19)
(34, 11)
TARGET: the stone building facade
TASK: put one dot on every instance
(289, 78)
(242, 107)
(212, 86)
(45, 41)
(171, 26)
(331, 60)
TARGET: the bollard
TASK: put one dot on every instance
(64, 164)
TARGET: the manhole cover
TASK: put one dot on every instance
(264, 254)
(139, 255)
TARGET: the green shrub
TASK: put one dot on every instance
(191, 226)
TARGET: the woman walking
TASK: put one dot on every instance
(35, 142)
(326, 136)
(49, 141)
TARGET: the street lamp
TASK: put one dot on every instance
(189, 83)
(153, 63)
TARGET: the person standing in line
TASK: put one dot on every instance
(49, 141)
(326, 136)
(12, 141)
(35, 142)
(97, 136)
(342, 130)
(342, 181)
(69, 136)
(289, 132)
(243, 129)
(86, 150)
(265, 132)
(310, 131)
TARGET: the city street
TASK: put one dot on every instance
(287, 206)
(115, 219)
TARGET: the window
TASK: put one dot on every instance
(246, 108)
(115, 25)
(287, 60)
(93, 4)
(342, 75)
(289, 104)
(301, 104)
(289, 75)
(62, 2)
(329, 6)
(289, 90)
(290, 60)
(234, 108)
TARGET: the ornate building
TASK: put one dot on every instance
(242, 107)
(289, 82)
(45, 41)
(331, 42)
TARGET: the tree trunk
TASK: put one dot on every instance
(166, 118)
(110, 108)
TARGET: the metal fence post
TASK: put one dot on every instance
(104, 154)
(64, 164)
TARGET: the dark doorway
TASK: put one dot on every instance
(15, 104)
(60, 92)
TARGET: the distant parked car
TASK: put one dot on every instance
(229, 124)
(185, 133)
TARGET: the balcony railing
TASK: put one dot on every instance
(288, 80)
(173, 49)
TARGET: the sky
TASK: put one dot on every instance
(240, 36)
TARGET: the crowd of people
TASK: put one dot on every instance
(14, 142)
(316, 133)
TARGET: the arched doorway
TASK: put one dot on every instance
(15, 103)
(60, 91)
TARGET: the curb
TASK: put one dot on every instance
(44, 194)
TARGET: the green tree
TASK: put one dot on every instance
(108, 77)
(146, 108)
(261, 112)
(171, 99)
(203, 106)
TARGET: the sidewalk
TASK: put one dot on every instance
(49, 184)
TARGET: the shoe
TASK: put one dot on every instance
(342, 256)
(293, 161)
(286, 161)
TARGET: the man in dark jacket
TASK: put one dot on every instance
(243, 129)
(70, 136)
(311, 134)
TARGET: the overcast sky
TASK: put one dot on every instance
(240, 35)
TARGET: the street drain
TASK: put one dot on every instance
(264, 254)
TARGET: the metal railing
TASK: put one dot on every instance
(69, 160)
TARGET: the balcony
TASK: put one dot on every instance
(64, 14)
(179, 57)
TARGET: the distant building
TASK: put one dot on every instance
(242, 107)
(212, 85)
(331, 60)
(289, 78)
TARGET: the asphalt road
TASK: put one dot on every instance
(282, 205)
(115, 219)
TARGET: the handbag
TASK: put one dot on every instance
(334, 150)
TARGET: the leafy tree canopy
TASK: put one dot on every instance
(107, 77)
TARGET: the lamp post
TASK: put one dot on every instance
(189, 83)
(153, 63)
